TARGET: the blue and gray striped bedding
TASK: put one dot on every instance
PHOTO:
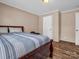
(15, 45)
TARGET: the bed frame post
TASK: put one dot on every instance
(51, 50)
(22, 29)
(8, 29)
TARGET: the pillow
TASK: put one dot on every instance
(15, 29)
(3, 30)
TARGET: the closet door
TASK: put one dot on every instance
(77, 28)
(48, 26)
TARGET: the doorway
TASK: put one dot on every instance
(48, 26)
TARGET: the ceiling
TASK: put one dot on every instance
(39, 8)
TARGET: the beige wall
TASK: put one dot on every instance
(31, 22)
(13, 16)
(68, 26)
(41, 24)
(55, 25)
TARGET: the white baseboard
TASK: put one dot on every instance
(68, 41)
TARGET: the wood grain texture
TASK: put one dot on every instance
(62, 50)
(65, 50)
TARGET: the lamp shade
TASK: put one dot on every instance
(45, 1)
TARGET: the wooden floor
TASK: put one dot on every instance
(62, 50)
(65, 50)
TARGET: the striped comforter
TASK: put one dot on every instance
(15, 45)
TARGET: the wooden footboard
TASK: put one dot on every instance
(51, 49)
(46, 48)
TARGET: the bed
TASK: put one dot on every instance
(16, 44)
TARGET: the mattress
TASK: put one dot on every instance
(15, 45)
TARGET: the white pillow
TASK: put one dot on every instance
(15, 29)
(3, 30)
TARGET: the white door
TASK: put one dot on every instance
(48, 26)
(77, 28)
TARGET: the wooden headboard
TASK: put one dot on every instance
(13, 27)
